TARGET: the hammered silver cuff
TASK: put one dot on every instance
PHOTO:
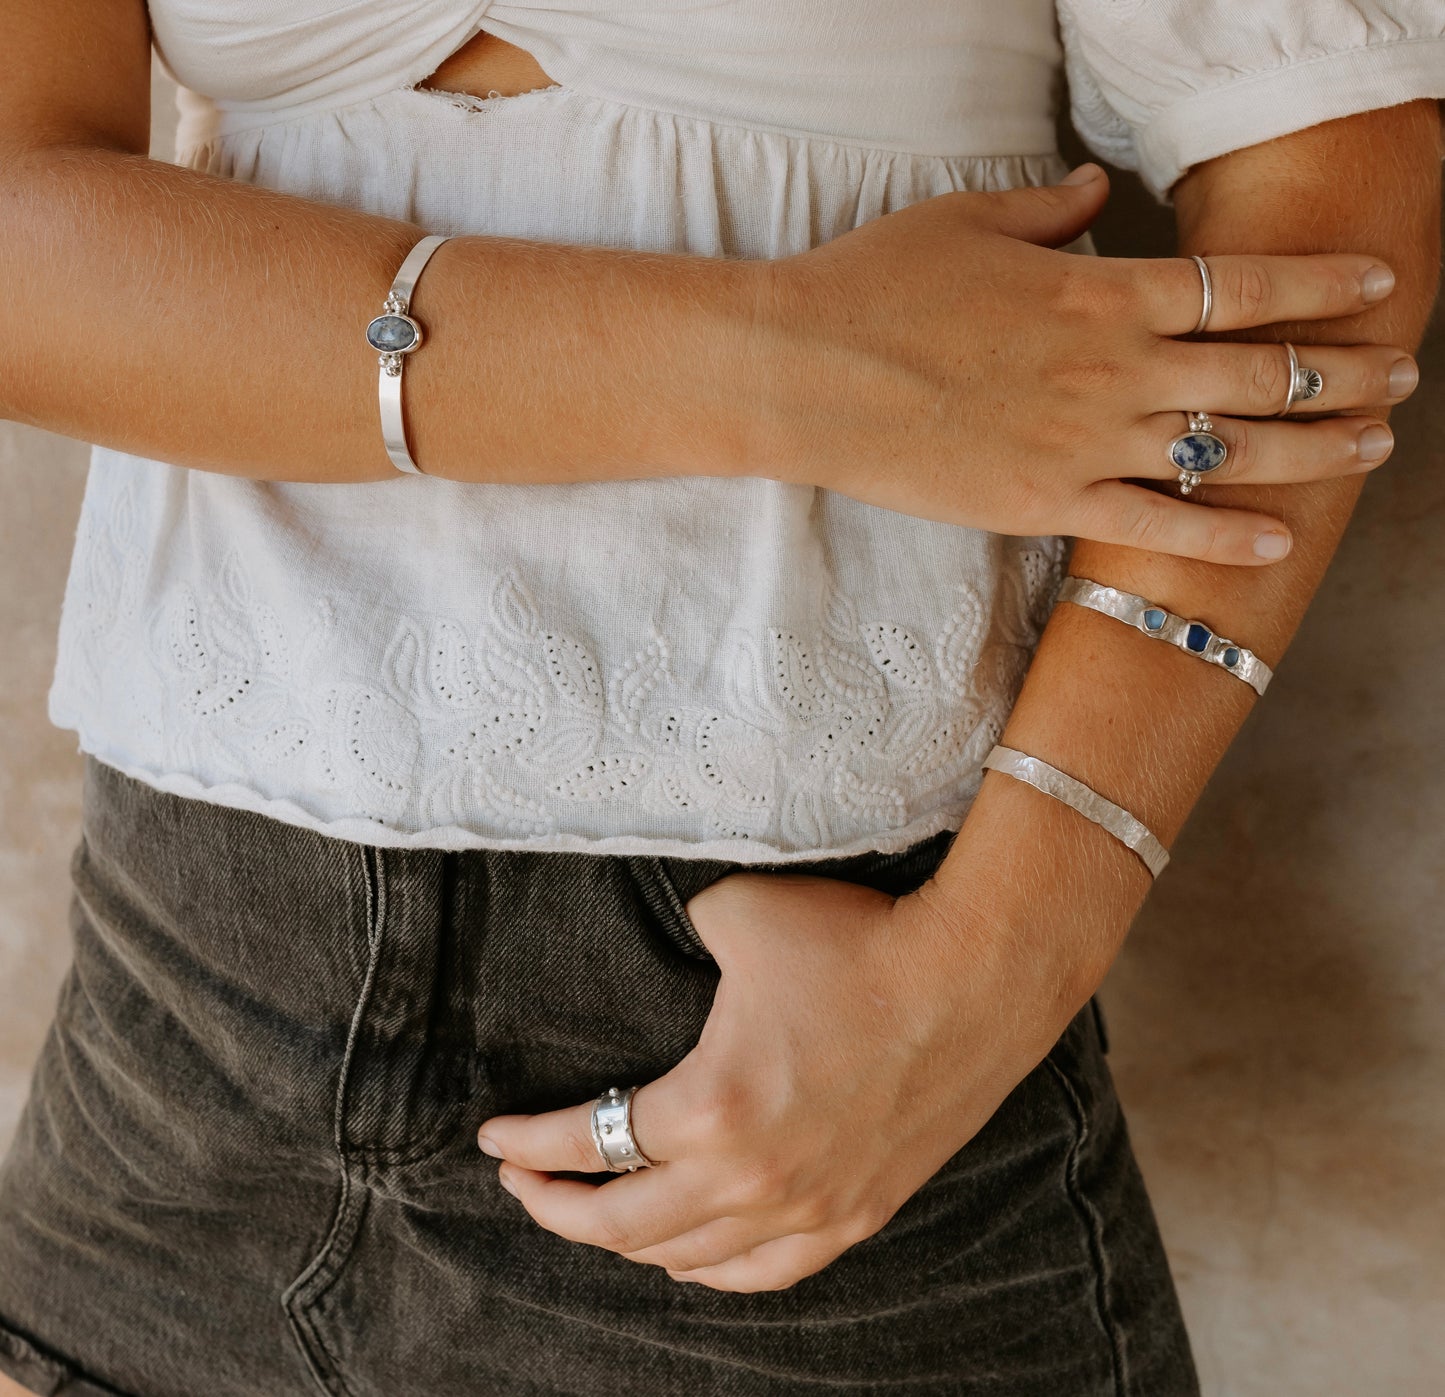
(1035, 772)
(1193, 637)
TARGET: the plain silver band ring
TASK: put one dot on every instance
(1289, 396)
(1208, 295)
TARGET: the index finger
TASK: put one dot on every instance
(1249, 291)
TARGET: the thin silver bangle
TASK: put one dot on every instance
(1035, 772)
(1192, 637)
(395, 335)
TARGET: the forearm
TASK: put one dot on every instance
(1142, 722)
(218, 325)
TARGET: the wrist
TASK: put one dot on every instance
(1031, 893)
(726, 370)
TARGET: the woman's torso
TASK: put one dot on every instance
(733, 668)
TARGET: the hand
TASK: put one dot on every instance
(946, 361)
(855, 1043)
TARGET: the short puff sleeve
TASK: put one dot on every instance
(1159, 85)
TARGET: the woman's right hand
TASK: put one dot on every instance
(945, 360)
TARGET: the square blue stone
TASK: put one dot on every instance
(1154, 619)
(1196, 637)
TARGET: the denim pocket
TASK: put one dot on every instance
(668, 894)
(669, 883)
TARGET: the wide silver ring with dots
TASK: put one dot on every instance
(612, 1131)
(1198, 452)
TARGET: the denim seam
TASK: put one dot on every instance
(319, 1274)
(1089, 1217)
(317, 1279)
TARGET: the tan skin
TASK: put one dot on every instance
(981, 969)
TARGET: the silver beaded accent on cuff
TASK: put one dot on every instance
(395, 334)
(1035, 772)
(1193, 637)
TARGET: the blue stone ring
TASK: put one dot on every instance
(1197, 452)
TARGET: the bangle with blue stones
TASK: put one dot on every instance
(1197, 452)
(395, 334)
(1194, 637)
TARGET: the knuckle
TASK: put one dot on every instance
(1145, 526)
(1342, 286)
(1087, 294)
(1268, 376)
(609, 1232)
(1212, 540)
(867, 1222)
(720, 1114)
(1249, 287)
(581, 1151)
(811, 1213)
(761, 1184)
(1243, 448)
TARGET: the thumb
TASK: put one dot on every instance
(1050, 215)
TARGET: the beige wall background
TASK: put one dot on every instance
(1278, 1037)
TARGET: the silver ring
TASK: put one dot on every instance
(1208, 295)
(1197, 452)
(612, 1131)
(1304, 384)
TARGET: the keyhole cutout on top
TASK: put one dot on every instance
(486, 64)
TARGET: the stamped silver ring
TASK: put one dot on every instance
(1304, 383)
(1208, 309)
(612, 1131)
(1197, 452)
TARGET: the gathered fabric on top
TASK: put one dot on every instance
(692, 666)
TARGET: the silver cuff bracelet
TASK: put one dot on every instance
(1032, 771)
(394, 334)
(1193, 637)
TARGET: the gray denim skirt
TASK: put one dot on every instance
(248, 1165)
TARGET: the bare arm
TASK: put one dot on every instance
(218, 325)
(1144, 723)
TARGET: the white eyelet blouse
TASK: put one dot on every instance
(694, 666)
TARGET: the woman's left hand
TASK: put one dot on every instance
(855, 1043)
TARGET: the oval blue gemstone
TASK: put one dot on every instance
(1198, 452)
(1231, 657)
(1154, 619)
(391, 334)
(1196, 637)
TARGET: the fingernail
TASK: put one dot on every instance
(1272, 546)
(506, 1183)
(1377, 283)
(488, 1147)
(1085, 174)
(1375, 443)
(1404, 375)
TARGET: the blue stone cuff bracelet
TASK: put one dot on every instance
(1193, 637)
